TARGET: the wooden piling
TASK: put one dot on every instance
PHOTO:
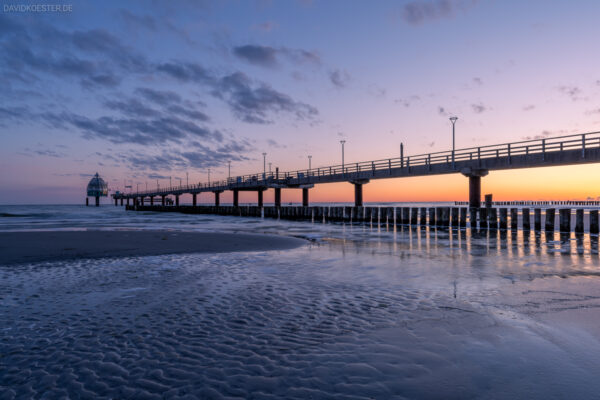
(463, 217)
(454, 216)
(503, 218)
(389, 212)
(438, 216)
(473, 217)
(550, 219)
(564, 217)
(514, 219)
(445, 217)
(423, 216)
(493, 218)
(526, 219)
(579, 220)
(414, 211)
(432, 217)
(594, 222)
(537, 219)
(405, 215)
(483, 218)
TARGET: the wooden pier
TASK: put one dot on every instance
(568, 220)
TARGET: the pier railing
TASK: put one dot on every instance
(539, 147)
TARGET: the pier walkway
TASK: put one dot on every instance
(474, 163)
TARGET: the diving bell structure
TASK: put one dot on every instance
(96, 188)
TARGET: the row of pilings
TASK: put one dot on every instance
(579, 203)
(536, 219)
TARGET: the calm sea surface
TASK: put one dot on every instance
(360, 311)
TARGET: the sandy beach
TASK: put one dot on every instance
(22, 247)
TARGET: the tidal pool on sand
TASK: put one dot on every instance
(428, 315)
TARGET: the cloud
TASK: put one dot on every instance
(267, 26)
(419, 11)
(442, 111)
(160, 97)
(339, 78)
(595, 111)
(408, 101)
(478, 108)
(258, 55)
(275, 144)
(573, 92)
(529, 107)
(142, 21)
(545, 134)
(252, 102)
(477, 81)
(266, 56)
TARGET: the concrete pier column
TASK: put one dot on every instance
(579, 220)
(236, 198)
(142, 201)
(151, 200)
(389, 213)
(116, 202)
(358, 191)
(177, 200)
(526, 219)
(439, 216)
(445, 217)
(194, 199)
(358, 194)
(305, 197)
(121, 201)
(162, 200)
(87, 201)
(564, 216)
(97, 201)
(128, 201)
(594, 221)
(550, 214)
(474, 176)
(217, 199)
(260, 198)
(277, 197)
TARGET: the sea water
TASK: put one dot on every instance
(359, 311)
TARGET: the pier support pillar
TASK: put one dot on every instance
(177, 200)
(236, 198)
(358, 191)
(162, 200)
(121, 201)
(151, 200)
(194, 199)
(128, 201)
(116, 202)
(217, 199)
(474, 176)
(305, 197)
(97, 201)
(278, 195)
(87, 201)
(142, 201)
(260, 198)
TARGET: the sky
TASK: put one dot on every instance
(147, 90)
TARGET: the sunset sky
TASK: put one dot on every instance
(140, 91)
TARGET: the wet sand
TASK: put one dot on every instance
(22, 247)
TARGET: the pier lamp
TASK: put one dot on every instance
(229, 169)
(264, 163)
(179, 182)
(343, 142)
(453, 120)
(270, 168)
(187, 179)
(147, 185)
(137, 187)
(209, 177)
(170, 184)
(309, 162)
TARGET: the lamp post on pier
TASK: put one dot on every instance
(229, 169)
(309, 162)
(264, 163)
(453, 120)
(270, 168)
(343, 142)
(209, 177)
(187, 179)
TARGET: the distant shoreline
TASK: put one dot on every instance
(25, 247)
